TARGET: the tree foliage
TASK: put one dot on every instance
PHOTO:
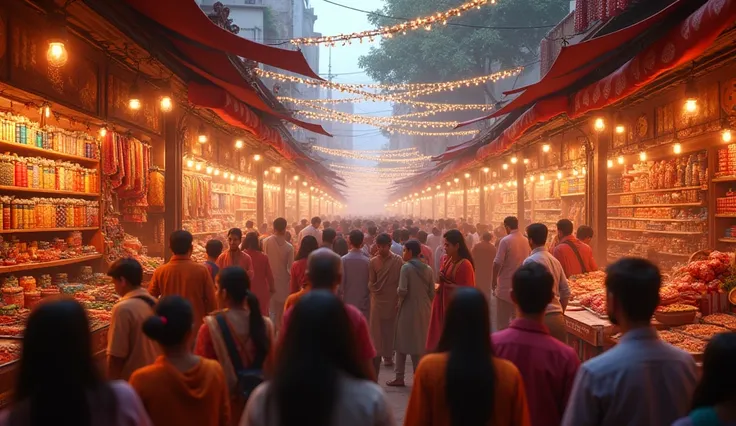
(453, 52)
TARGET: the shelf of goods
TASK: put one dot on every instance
(723, 184)
(505, 204)
(698, 286)
(547, 205)
(658, 209)
(50, 180)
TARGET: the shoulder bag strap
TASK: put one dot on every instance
(230, 343)
(149, 300)
(577, 254)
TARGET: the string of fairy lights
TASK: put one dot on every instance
(405, 90)
(377, 121)
(351, 168)
(392, 129)
(384, 156)
(437, 106)
(425, 23)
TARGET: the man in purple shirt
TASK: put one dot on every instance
(512, 251)
(547, 365)
(354, 289)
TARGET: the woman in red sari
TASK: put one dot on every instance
(262, 284)
(457, 270)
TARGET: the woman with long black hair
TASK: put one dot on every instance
(318, 378)
(457, 270)
(58, 382)
(248, 332)
(463, 384)
(299, 267)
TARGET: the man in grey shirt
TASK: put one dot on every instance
(354, 288)
(642, 381)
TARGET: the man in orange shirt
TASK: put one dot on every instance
(575, 256)
(235, 256)
(186, 278)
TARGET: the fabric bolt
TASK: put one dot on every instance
(641, 381)
(298, 275)
(236, 258)
(547, 366)
(354, 288)
(416, 291)
(125, 339)
(359, 403)
(428, 402)
(452, 275)
(383, 283)
(569, 261)
(512, 251)
(262, 281)
(366, 350)
(483, 255)
(198, 396)
(181, 276)
(561, 289)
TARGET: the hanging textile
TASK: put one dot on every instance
(156, 188)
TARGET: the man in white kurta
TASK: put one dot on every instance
(280, 257)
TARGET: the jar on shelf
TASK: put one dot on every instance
(7, 203)
(7, 171)
(60, 178)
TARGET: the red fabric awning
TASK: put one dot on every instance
(576, 61)
(453, 151)
(187, 19)
(682, 44)
(250, 97)
(540, 112)
(238, 114)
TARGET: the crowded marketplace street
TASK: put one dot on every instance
(367, 213)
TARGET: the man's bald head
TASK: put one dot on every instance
(324, 269)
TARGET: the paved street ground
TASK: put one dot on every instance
(397, 397)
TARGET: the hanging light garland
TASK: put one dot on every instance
(440, 107)
(407, 90)
(389, 128)
(386, 156)
(425, 22)
(350, 168)
(380, 121)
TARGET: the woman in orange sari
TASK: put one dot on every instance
(457, 270)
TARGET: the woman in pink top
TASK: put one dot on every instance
(262, 282)
(59, 383)
(299, 267)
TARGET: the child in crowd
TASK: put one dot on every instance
(214, 249)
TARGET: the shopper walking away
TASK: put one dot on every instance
(319, 380)
(642, 380)
(341, 246)
(369, 240)
(512, 251)
(128, 349)
(483, 255)
(180, 389)
(313, 230)
(329, 236)
(457, 271)
(234, 256)
(354, 289)
(213, 248)
(299, 267)
(416, 291)
(714, 402)
(464, 384)
(547, 365)
(325, 274)
(575, 256)
(584, 234)
(238, 329)
(184, 277)
(58, 382)
(280, 255)
(427, 254)
(553, 319)
(383, 283)
(262, 283)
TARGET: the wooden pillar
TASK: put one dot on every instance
(446, 203)
(309, 208)
(482, 197)
(465, 198)
(597, 188)
(174, 130)
(520, 170)
(260, 199)
(282, 196)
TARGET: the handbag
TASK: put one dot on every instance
(247, 379)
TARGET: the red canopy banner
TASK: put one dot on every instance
(540, 112)
(575, 62)
(236, 113)
(456, 150)
(681, 45)
(185, 18)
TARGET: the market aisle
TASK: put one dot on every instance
(398, 398)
